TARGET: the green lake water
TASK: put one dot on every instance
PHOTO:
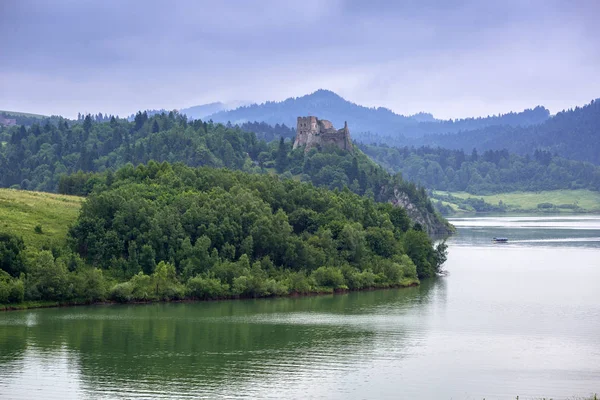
(521, 318)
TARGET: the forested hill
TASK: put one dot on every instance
(376, 121)
(491, 171)
(168, 232)
(573, 134)
(36, 158)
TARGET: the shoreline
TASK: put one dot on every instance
(57, 304)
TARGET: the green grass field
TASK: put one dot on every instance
(22, 114)
(21, 211)
(586, 200)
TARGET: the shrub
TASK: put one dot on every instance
(328, 277)
(298, 282)
(90, 285)
(206, 288)
(122, 292)
(11, 248)
(38, 229)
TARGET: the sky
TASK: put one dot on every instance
(452, 58)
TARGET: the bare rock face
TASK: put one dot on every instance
(433, 226)
(313, 132)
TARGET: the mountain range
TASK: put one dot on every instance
(365, 121)
(573, 133)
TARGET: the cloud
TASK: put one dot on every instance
(453, 58)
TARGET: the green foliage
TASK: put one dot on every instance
(64, 156)
(206, 288)
(495, 171)
(41, 157)
(46, 278)
(12, 290)
(571, 133)
(166, 232)
(11, 259)
(329, 277)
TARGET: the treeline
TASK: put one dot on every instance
(34, 158)
(164, 232)
(491, 171)
(269, 133)
(573, 133)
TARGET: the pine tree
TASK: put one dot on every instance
(281, 158)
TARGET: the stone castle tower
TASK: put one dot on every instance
(313, 132)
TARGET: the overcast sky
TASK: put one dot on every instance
(454, 58)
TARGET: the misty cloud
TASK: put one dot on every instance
(454, 59)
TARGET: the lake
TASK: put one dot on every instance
(517, 318)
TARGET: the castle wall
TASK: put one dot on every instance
(312, 132)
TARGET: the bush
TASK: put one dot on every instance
(206, 288)
(11, 248)
(46, 278)
(11, 290)
(122, 292)
(328, 277)
(361, 279)
(16, 292)
(298, 282)
(90, 285)
(38, 229)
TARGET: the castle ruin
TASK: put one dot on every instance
(313, 132)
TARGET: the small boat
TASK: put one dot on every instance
(500, 240)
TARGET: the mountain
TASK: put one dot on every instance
(573, 133)
(203, 110)
(367, 123)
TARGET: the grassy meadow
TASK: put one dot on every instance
(21, 211)
(584, 200)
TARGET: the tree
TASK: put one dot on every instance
(11, 259)
(281, 157)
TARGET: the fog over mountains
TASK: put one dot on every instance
(573, 133)
(365, 120)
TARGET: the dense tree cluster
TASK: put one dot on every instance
(162, 231)
(492, 171)
(34, 158)
(268, 132)
(574, 134)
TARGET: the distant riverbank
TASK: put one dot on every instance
(550, 201)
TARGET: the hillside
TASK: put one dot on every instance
(21, 211)
(169, 232)
(201, 111)
(491, 171)
(38, 157)
(21, 114)
(362, 120)
(573, 134)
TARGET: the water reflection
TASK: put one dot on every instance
(548, 231)
(191, 349)
(521, 318)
